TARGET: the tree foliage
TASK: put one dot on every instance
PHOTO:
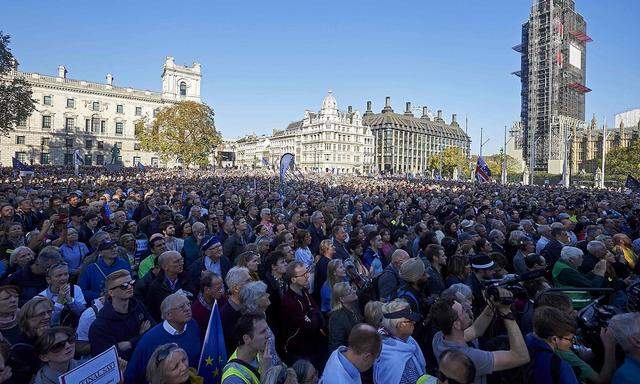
(15, 94)
(449, 159)
(185, 131)
(495, 164)
(624, 161)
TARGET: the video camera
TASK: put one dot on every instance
(511, 283)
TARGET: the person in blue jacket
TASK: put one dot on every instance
(93, 277)
(553, 330)
(177, 327)
(346, 363)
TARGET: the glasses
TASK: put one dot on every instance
(60, 345)
(445, 379)
(165, 351)
(569, 339)
(305, 274)
(182, 306)
(124, 285)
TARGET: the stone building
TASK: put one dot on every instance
(329, 140)
(404, 142)
(92, 117)
(252, 152)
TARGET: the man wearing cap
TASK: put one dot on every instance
(482, 268)
(94, 275)
(401, 359)
(212, 260)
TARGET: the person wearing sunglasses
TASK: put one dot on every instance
(122, 320)
(169, 364)
(56, 347)
(553, 330)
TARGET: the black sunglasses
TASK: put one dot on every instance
(165, 351)
(125, 285)
(60, 345)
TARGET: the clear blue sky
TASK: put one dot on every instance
(265, 62)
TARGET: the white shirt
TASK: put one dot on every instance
(172, 331)
(86, 319)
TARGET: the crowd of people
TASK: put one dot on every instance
(325, 279)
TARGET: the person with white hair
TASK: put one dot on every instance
(545, 236)
(566, 273)
(236, 278)
(255, 301)
(177, 327)
(626, 329)
(401, 360)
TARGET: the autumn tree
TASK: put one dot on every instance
(15, 94)
(624, 160)
(495, 164)
(449, 159)
(184, 131)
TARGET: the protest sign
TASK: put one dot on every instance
(102, 369)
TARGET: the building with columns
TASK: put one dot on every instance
(404, 142)
(329, 140)
(92, 117)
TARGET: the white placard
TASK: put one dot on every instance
(102, 369)
(575, 56)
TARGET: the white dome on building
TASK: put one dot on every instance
(329, 105)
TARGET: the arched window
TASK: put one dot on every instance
(183, 88)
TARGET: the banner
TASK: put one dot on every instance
(213, 356)
(286, 161)
(24, 169)
(483, 173)
(632, 183)
(102, 369)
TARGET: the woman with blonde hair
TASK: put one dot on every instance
(624, 247)
(344, 315)
(169, 364)
(373, 314)
(327, 251)
(335, 274)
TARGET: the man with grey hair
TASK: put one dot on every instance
(317, 229)
(545, 234)
(389, 280)
(171, 279)
(32, 279)
(177, 327)
(566, 274)
(596, 250)
(236, 278)
(558, 240)
(192, 244)
(626, 329)
(497, 238)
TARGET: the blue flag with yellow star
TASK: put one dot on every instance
(214, 355)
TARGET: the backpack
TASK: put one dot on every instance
(556, 361)
(406, 294)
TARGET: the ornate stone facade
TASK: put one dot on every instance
(92, 117)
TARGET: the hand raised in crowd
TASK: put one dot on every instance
(608, 339)
(144, 327)
(600, 268)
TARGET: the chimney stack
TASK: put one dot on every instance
(109, 79)
(439, 115)
(62, 71)
(369, 106)
(425, 113)
(453, 119)
(387, 105)
(407, 110)
(350, 109)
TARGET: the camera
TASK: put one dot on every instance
(511, 283)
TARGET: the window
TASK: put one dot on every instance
(68, 158)
(138, 111)
(87, 159)
(20, 140)
(46, 122)
(103, 126)
(99, 159)
(136, 146)
(44, 158)
(46, 100)
(183, 88)
(88, 144)
(155, 112)
(119, 128)
(45, 141)
(119, 108)
(22, 122)
(71, 103)
(87, 125)
(68, 124)
(68, 143)
(136, 160)
(21, 157)
(95, 124)
(154, 161)
(95, 106)
(100, 144)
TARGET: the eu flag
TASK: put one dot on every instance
(141, 166)
(20, 166)
(214, 355)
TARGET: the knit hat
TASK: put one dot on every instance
(481, 261)
(412, 270)
(209, 242)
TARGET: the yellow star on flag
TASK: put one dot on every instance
(216, 372)
(209, 360)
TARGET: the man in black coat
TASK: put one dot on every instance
(32, 279)
(212, 260)
(236, 243)
(171, 279)
(559, 238)
(317, 231)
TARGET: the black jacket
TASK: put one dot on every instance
(159, 289)
(551, 251)
(193, 273)
(340, 324)
(30, 285)
(233, 246)
(317, 235)
(111, 327)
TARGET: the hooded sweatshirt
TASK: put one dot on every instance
(392, 364)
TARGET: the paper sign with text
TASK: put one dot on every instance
(102, 369)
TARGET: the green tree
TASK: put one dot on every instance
(495, 164)
(449, 159)
(624, 161)
(185, 131)
(15, 94)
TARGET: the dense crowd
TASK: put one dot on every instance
(329, 279)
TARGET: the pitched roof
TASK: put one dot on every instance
(414, 124)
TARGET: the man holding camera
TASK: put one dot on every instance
(458, 330)
(482, 268)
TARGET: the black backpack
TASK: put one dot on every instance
(556, 361)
